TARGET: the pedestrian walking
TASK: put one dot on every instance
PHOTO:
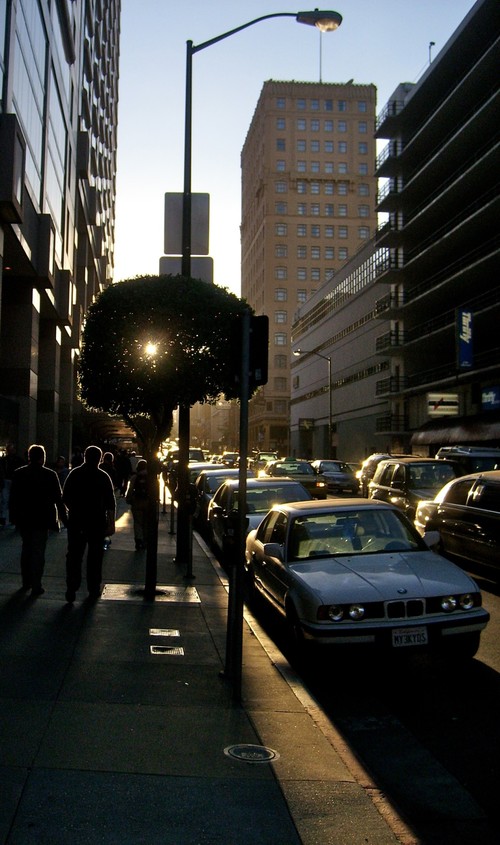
(137, 497)
(35, 508)
(90, 500)
(62, 469)
(8, 465)
(124, 470)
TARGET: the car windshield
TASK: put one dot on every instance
(431, 476)
(261, 500)
(293, 468)
(335, 466)
(351, 532)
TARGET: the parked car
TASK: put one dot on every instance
(404, 482)
(301, 471)
(262, 494)
(230, 459)
(206, 485)
(471, 458)
(260, 459)
(357, 573)
(466, 513)
(338, 475)
(368, 467)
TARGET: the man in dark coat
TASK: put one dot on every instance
(35, 506)
(88, 494)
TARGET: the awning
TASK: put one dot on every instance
(480, 429)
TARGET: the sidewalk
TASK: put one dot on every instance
(116, 727)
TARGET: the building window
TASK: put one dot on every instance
(316, 252)
(328, 105)
(280, 187)
(342, 189)
(301, 146)
(363, 169)
(301, 104)
(342, 146)
(329, 209)
(280, 339)
(364, 210)
(329, 253)
(301, 124)
(301, 166)
(280, 273)
(281, 251)
(363, 189)
(314, 166)
(281, 207)
(328, 166)
(329, 231)
(280, 103)
(342, 126)
(280, 317)
(328, 126)
(280, 294)
(280, 362)
(342, 230)
(362, 148)
(301, 230)
(302, 208)
(280, 144)
(281, 229)
(342, 210)
(302, 274)
(280, 406)
(301, 187)
(315, 231)
(314, 125)
(362, 105)
(280, 123)
(280, 384)
(362, 126)
(315, 274)
(314, 105)
(315, 187)
(301, 295)
(315, 209)
(328, 146)
(342, 167)
(364, 233)
(342, 105)
(301, 251)
(281, 165)
(343, 253)
(329, 189)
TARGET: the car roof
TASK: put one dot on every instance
(327, 505)
(269, 481)
(488, 475)
(413, 459)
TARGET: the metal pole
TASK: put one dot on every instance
(330, 412)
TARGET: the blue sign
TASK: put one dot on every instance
(490, 398)
(464, 332)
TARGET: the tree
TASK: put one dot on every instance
(151, 344)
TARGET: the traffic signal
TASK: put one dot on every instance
(258, 350)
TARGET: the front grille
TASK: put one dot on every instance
(409, 609)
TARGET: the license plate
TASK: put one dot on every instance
(402, 637)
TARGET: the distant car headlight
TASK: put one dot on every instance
(467, 601)
(356, 611)
(448, 603)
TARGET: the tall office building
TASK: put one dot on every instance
(58, 125)
(308, 205)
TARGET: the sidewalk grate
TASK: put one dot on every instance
(247, 753)
(134, 592)
(164, 632)
(176, 651)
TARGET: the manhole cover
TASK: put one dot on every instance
(251, 753)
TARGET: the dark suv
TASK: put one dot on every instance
(368, 467)
(471, 458)
(466, 512)
(404, 482)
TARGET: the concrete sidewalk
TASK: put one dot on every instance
(116, 726)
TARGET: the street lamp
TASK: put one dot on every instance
(298, 353)
(325, 21)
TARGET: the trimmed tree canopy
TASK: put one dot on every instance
(154, 342)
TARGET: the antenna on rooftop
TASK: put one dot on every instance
(431, 45)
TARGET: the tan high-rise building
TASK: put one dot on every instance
(308, 204)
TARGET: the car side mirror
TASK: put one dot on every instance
(431, 539)
(274, 550)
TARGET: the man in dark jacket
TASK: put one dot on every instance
(88, 494)
(35, 505)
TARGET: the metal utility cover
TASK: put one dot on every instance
(134, 592)
(247, 753)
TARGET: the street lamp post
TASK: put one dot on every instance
(325, 21)
(297, 353)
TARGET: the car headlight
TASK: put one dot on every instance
(335, 612)
(467, 601)
(356, 611)
(448, 603)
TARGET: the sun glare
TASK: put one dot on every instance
(151, 349)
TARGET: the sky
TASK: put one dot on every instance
(383, 42)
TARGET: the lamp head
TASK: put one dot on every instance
(297, 352)
(325, 21)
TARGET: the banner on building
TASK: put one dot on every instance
(442, 404)
(490, 398)
(464, 339)
(306, 424)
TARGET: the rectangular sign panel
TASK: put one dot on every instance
(464, 338)
(442, 404)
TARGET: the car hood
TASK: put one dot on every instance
(376, 577)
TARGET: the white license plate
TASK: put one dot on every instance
(402, 637)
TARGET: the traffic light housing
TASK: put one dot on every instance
(258, 350)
